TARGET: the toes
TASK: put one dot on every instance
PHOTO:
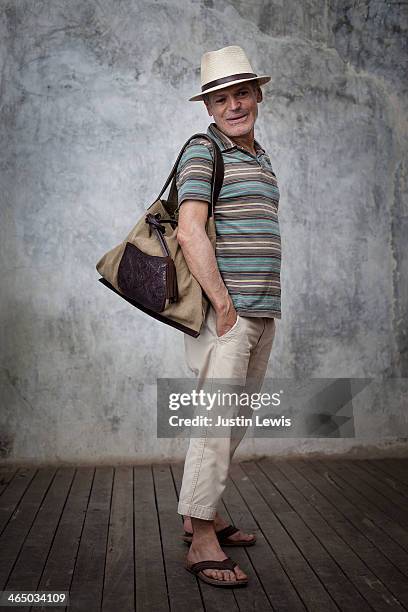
(247, 537)
(239, 574)
(226, 575)
(211, 573)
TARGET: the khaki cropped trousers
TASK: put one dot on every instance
(241, 355)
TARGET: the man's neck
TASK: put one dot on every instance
(247, 141)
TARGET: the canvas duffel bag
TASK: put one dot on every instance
(148, 268)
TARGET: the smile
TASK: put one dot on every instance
(237, 119)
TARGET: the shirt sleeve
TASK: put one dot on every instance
(194, 171)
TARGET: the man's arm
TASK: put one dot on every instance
(200, 258)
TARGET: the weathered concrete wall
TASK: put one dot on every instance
(93, 103)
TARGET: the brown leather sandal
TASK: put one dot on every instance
(223, 537)
(227, 564)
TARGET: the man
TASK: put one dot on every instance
(242, 283)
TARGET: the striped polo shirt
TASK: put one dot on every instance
(248, 245)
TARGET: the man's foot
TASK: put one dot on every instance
(207, 547)
(219, 524)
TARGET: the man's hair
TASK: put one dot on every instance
(255, 86)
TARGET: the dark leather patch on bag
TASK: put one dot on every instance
(143, 277)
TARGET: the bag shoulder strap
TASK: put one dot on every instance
(217, 174)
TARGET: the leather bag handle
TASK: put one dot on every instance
(217, 176)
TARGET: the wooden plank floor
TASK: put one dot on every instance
(331, 535)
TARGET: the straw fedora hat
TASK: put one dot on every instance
(225, 67)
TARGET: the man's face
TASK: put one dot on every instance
(235, 108)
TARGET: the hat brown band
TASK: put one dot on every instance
(227, 79)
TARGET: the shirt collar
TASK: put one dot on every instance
(225, 143)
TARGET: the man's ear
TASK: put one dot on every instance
(259, 95)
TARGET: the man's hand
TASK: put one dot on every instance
(226, 317)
